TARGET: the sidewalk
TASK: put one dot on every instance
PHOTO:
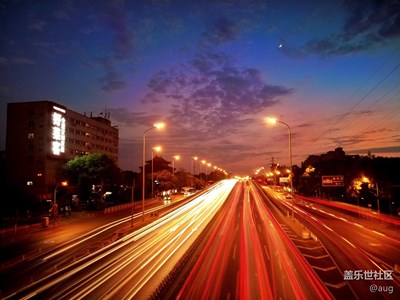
(27, 240)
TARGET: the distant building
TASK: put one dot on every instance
(159, 164)
(313, 159)
(42, 136)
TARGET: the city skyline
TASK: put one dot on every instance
(213, 72)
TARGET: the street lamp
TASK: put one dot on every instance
(273, 121)
(157, 149)
(55, 205)
(193, 170)
(207, 165)
(155, 126)
(175, 157)
(204, 163)
(366, 180)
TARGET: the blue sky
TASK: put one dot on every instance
(213, 70)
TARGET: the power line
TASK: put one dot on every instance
(356, 104)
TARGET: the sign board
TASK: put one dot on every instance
(333, 181)
(283, 179)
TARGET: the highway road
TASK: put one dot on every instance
(354, 243)
(133, 265)
(56, 247)
(234, 240)
(248, 256)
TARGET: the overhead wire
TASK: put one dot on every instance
(358, 116)
(343, 115)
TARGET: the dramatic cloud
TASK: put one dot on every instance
(112, 81)
(368, 24)
(117, 19)
(122, 47)
(212, 92)
(125, 117)
(394, 149)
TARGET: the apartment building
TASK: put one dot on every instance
(41, 136)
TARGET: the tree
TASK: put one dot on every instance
(164, 180)
(88, 170)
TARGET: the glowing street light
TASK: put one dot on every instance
(157, 149)
(366, 180)
(273, 121)
(155, 126)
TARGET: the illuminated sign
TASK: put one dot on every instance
(333, 181)
(283, 179)
(57, 131)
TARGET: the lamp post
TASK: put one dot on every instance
(55, 205)
(157, 126)
(175, 157)
(157, 149)
(204, 163)
(132, 199)
(273, 121)
(193, 170)
(207, 165)
(366, 180)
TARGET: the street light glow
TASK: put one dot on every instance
(271, 120)
(157, 148)
(159, 125)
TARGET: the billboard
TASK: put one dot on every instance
(283, 179)
(333, 180)
(58, 129)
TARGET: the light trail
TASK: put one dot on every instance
(263, 258)
(138, 256)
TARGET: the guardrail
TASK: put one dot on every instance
(116, 208)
